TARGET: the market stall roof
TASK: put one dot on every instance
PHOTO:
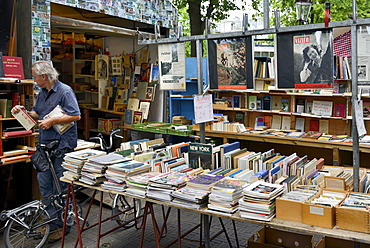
(59, 24)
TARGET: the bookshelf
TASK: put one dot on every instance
(20, 93)
(89, 124)
(73, 55)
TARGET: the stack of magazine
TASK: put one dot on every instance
(225, 195)
(191, 198)
(161, 187)
(137, 184)
(93, 171)
(117, 173)
(258, 200)
(74, 161)
(195, 193)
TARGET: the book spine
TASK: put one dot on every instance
(17, 133)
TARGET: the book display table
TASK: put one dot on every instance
(205, 234)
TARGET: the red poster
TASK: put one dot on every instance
(13, 67)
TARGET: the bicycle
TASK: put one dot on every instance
(29, 224)
(120, 202)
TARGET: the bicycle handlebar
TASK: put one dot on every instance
(112, 134)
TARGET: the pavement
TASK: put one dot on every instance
(130, 238)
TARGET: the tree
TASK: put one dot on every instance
(199, 10)
(339, 10)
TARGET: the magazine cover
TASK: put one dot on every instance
(232, 57)
(313, 60)
(290, 56)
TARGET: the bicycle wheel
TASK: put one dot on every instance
(17, 235)
(121, 203)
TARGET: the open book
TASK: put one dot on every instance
(58, 112)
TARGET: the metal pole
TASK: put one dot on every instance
(355, 143)
(266, 14)
(200, 84)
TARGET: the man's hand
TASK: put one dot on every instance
(16, 109)
(46, 123)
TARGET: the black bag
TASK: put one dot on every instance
(39, 160)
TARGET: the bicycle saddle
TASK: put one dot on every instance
(51, 145)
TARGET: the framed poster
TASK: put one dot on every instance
(310, 55)
(229, 62)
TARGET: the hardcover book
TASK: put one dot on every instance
(266, 102)
(300, 105)
(276, 102)
(366, 109)
(13, 67)
(285, 124)
(252, 102)
(285, 105)
(339, 109)
(314, 125)
(128, 116)
(200, 155)
(25, 119)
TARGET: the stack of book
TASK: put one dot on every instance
(74, 161)
(225, 195)
(258, 201)
(301, 193)
(161, 187)
(93, 171)
(137, 184)
(117, 174)
(329, 198)
(191, 198)
(204, 182)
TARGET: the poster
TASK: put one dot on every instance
(172, 66)
(313, 60)
(363, 57)
(228, 61)
(289, 58)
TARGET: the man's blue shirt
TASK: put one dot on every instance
(62, 95)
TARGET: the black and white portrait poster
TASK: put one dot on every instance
(363, 55)
(313, 60)
(309, 55)
(172, 66)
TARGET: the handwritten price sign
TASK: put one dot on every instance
(203, 108)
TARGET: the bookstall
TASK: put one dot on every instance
(286, 78)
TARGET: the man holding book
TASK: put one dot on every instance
(53, 93)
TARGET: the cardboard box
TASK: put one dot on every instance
(288, 210)
(270, 237)
(106, 125)
(353, 219)
(208, 126)
(220, 106)
(329, 242)
(319, 215)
